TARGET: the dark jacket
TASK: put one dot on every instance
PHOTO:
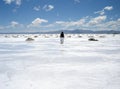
(62, 35)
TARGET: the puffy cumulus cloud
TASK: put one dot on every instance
(48, 7)
(14, 24)
(108, 8)
(102, 24)
(110, 25)
(102, 12)
(8, 1)
(17, 2)
(88, 23)
(97, 20)
(37, 22)
(45, 7)
(37, 8)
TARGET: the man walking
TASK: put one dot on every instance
(62, 37)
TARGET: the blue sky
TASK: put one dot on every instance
(44, 15)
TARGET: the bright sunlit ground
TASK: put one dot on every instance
(46, 64)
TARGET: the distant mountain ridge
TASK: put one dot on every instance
(77, 31)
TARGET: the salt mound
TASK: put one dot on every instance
(92, 39)
(29, 39)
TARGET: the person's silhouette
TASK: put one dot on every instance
(62, 37)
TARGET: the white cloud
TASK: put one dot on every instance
(111, 25)
(77, 1)
(108, 8)
(102, 12)
(71, 23)
(45, 7)
(14, 24)
(48, 7)
(36, 8)
(8, 1)
(97, 20)
(37, 22)
(60, 22)
(86, 23)
(17, 2)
